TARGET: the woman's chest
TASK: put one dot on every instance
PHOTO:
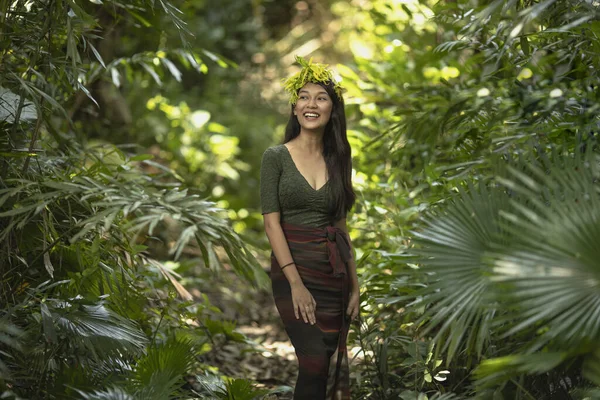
(295, 192)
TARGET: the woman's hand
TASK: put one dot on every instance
(353, 304)
(304, 303)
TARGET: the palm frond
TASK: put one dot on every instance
(243, 389)
(113, 393)
(161, 370)
(77, 335)
(96, 327)
(163, 385)
(9, 335)
(552, 265)
(211, 385)
(455, 247)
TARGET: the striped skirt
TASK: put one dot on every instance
(320, 255)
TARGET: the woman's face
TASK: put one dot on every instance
(313, 108)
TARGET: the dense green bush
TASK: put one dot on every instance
(90, 307)
(483, 277)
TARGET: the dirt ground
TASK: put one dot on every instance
(273, 363)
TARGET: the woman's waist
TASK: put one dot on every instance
(302, 218)
(311, 243)
(308, 262)
(309, 251)
(305, 233)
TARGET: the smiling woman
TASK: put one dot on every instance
(306, 192)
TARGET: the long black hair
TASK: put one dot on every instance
(336, 152)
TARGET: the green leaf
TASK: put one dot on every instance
(591, 367)
(152, 73)
(87, 93)
(142, 157)
(496, 370)
(19, 210)
(454, 247)
(525, 45)
(96, 54)
(112, 393)
(161, 370)
(172, 68)
(116, 77)
(9, 107)
(48, 324)
(219, 60)
(243, 389)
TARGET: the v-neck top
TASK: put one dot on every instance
(284, 189)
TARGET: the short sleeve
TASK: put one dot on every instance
(270, 172)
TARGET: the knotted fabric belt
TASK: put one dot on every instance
(337, 240)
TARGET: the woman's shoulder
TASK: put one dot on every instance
(274, 156)
(275, 151)
(278, 148)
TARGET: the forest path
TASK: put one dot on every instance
(274, 363)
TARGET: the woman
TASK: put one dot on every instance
(306, 192)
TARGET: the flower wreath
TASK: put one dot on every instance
(310, 72)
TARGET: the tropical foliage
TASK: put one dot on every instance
(90, 306)
(487, 260)
(131, 142)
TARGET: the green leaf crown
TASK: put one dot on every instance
(310, 72)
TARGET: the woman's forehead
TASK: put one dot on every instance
(312, 88)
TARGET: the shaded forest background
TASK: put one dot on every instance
(131, 240)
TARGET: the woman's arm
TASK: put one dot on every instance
(280, 247)
(303, 302)
(353, 309)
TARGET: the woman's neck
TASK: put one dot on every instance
(311, 142)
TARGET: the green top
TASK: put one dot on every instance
(284, 189)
